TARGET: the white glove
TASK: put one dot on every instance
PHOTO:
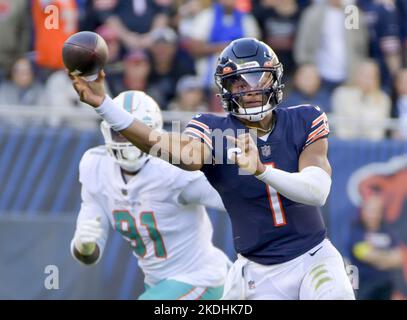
(87, 234)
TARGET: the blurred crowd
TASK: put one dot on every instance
(347, 56)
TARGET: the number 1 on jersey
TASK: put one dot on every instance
(276, 204)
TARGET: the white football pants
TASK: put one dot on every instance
(318, 274)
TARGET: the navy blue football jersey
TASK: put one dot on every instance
(267, 227)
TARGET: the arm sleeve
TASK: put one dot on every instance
(91, 210)
(201, 192)
(310, 186)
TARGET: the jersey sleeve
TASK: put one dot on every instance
(200, 192)
(316, 124)
(200, 128)
(91, 208)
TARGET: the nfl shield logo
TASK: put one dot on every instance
(266, 151)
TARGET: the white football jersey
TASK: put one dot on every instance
(171, 240)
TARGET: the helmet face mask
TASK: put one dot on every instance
(249, 76)
(249, 89)
(126, 155)
(144, 109)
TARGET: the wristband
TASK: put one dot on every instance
(118, 118)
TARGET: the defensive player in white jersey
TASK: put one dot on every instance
(157, 207)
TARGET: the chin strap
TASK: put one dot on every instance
(253, 117)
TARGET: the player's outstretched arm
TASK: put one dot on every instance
(178, 149)
(200, 191)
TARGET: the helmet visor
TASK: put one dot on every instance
(248, 81)
(250, 89)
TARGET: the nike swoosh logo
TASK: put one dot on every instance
(312, 253)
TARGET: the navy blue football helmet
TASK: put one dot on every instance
(248, 74)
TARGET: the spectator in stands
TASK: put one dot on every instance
(185, 14)
(278, 20)
(374, 250)
(21, 88)
(400, 103)
(96, 12)
(135, 74)
(60, 95)
(190, 96)
(82, 7)
(304, 3)
(381, 19)
(323, 40)
(135, 20)
(165, 3)
(168, 64)
(307, 89)
(114, 46)
(15, 32)
(214, 28)
(362, 105)
(51, 29)
(114, 66)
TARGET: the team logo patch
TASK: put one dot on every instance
(266, 150)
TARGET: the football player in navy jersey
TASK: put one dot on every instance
(270, 168)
